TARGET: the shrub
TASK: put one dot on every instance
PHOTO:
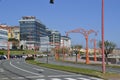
(1, 53)
(30, 58)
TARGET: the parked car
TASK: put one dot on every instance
(3, 57)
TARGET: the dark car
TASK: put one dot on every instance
(2, 57)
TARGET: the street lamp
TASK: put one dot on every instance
(102, 31)
(52, 1)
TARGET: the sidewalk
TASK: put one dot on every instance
(84, 61)
(51, 60)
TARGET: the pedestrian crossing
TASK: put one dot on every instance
(50, 78)
(71, 79)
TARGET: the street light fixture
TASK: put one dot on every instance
(52, 1)
(102, 31)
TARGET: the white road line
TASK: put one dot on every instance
(69, 79)
(55, 79)
(56, 70)
(40, 79)
(95, 78)
(83, 79)
(4, 78)
(18, 78)
(38, 69)
(24, 69)
(34, 76)
(63, 75)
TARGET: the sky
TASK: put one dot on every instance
(66, 15)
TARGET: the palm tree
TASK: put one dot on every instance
(108, 48)
(15, 42)
(76, 50)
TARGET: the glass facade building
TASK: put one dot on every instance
(31, 29)
(54, 37)
(3, 38)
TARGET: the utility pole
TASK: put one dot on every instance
(47, 53)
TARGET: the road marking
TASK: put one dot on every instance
(55, 79)
(4, 78)
(24, 69)
(63, 75)
(40, 79)
(18, 78)
(34, 76)
(83, 79)
(69, 79)
(38, 69)
(95, 78)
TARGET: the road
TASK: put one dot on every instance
(18, 69)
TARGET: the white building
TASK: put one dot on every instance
(3, 38)
(65, 42)
(45, 44)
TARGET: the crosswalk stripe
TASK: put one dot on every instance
(40, 79)
(35, 76)
(63, 75)
(83, 79)
(96, 78)
(69, 79)
(18, 78)
(55, 79)
(4, 78)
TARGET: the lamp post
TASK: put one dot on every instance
(102, 36)
(102, 31)
(8, 49)
(47, 54)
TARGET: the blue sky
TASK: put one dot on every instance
(65, 15)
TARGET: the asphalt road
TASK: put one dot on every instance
(18, 69)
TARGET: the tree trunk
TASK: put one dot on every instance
(76, 58)
(106, 58)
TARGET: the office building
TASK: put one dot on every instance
(54, 38)
(31, 29)
(3, 36)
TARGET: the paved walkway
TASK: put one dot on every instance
(51, 60)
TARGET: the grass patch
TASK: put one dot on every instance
(19, 52)
(94, 73)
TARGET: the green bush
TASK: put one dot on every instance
(30, 58)
(1, 53)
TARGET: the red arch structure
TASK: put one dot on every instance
(94, 42)
(85, 33)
